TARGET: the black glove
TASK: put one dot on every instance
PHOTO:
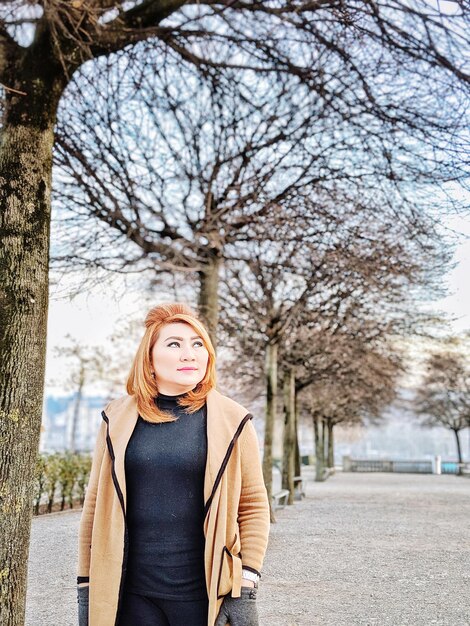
(240, 611)
(82, 599)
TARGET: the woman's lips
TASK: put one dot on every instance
(187, 369)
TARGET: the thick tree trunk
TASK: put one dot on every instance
(26, 142)
(288, 461)
(208, 303)
(271, 397)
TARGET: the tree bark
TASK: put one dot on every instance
(288, 461)
(271, 398)
(208, 302)
(26, 142)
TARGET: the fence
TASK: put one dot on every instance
(417, 466)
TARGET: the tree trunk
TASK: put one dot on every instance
(208, 302)
(271, 397)
(288, 460)
(297, 462)
(468, 426)
(325, 442)
(26, 142)
(459, 448)
(318, 427)
(331, 450)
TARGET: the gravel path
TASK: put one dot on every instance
(360, 549)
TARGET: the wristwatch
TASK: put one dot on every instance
(249, 575)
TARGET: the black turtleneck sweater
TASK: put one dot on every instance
(165, 465)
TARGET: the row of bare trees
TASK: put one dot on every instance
(188, 135)
(304, 321)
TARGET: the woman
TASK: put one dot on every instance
(175, 522)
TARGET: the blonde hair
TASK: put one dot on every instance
(141, 383)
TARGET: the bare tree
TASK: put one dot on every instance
(307, 308)
(176, 174)
(84, 365)
(443, 398)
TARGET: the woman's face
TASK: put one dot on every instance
(179, 359)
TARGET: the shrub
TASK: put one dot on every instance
(60, 477)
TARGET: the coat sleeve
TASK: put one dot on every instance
(88, 512)
(253, 509)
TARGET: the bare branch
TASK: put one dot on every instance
(134, 25)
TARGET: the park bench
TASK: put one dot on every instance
(299, 492)
(280, 499)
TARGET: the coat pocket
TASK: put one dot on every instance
(230, 571)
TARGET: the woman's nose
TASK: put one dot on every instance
(188, 353)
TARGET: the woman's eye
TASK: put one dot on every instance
(177, 343)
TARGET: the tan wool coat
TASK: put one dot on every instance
(236, 525)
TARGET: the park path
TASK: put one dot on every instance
(360, 549)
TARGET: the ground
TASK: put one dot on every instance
(360, 549)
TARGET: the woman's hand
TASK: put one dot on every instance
(83, 592)
(240, 611)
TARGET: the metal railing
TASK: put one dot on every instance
(412, 466)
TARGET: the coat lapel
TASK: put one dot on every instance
(224, 417)
(122, 416)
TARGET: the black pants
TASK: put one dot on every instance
(140, 610)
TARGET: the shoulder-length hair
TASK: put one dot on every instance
(143, 385)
